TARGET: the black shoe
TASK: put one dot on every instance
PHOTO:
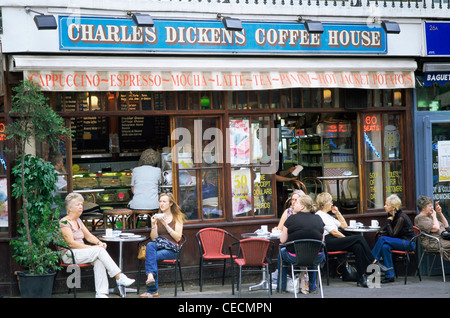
(387, 280)
(362, 281)
(382, 267)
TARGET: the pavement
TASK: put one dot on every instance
(430, 287)
(217, 300)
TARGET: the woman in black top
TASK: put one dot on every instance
(302, 224)
(399, 230)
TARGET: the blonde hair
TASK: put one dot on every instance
(174, 208)
(322, 199)
(395, 201)
(307, 202)
(71, 198)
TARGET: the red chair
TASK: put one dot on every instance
(211, 244)
(64, 265)
(168, 263)
(406, 255)
(332, 255)
(253, 252)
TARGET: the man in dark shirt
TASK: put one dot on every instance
(302, 224)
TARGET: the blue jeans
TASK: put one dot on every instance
(383, 248)
(152, 257)
(288, 259)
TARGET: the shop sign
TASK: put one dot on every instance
(436, 78)
(179, 81)
(436, 33)
(168, 35)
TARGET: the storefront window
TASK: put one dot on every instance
(200, 167)
(434, 97)
(384, 158)
(441, 165)
(250, 158)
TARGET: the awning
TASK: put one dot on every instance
(151, 73)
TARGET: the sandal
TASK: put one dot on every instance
(150, 295)
(150, 283)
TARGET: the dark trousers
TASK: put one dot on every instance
(355, 244)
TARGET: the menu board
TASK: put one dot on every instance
(90, 135)
(138, 133)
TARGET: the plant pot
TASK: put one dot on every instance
(36, 286)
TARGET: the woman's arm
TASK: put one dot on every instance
(91, 238)
(284, 235)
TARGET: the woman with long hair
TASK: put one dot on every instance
(166, 231)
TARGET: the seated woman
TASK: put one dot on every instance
(433, 222)
(335, 240)
(304, 225)
(74, 233)
(170, 227)
(144, 182)
(399, 230)
(288, 212)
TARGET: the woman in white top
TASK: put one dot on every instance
(145, 181)
(335, 240)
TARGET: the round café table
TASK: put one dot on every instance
(122, 238)
(362, 229)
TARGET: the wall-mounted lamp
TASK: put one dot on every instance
(390, 27)
(312, 26)
(230, 24)
(142, 20)
(43, 21)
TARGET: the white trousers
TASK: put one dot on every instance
(102, 262)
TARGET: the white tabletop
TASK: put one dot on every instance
(362, 229)
(121, 238)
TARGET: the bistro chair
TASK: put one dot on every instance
(65, 266)
(116, 215)
(334, 255)
(136, 214)
(253, 252)
(434, 252)
(168, 263)
(406, 255)
(211, 244)
(306, 251)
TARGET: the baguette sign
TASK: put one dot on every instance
(167, 35)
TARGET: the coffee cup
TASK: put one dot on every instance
(159, 216)
(264, 228)
(374, 223)
(108, 232)
(352, 223)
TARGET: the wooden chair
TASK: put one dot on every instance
(116, 215)
(136, 214)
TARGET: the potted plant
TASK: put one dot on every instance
(34, 185)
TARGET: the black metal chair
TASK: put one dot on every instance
(306, 251)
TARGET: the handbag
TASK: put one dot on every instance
(347, 271)
(164, 243)
(142, 252)
(445, 235)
